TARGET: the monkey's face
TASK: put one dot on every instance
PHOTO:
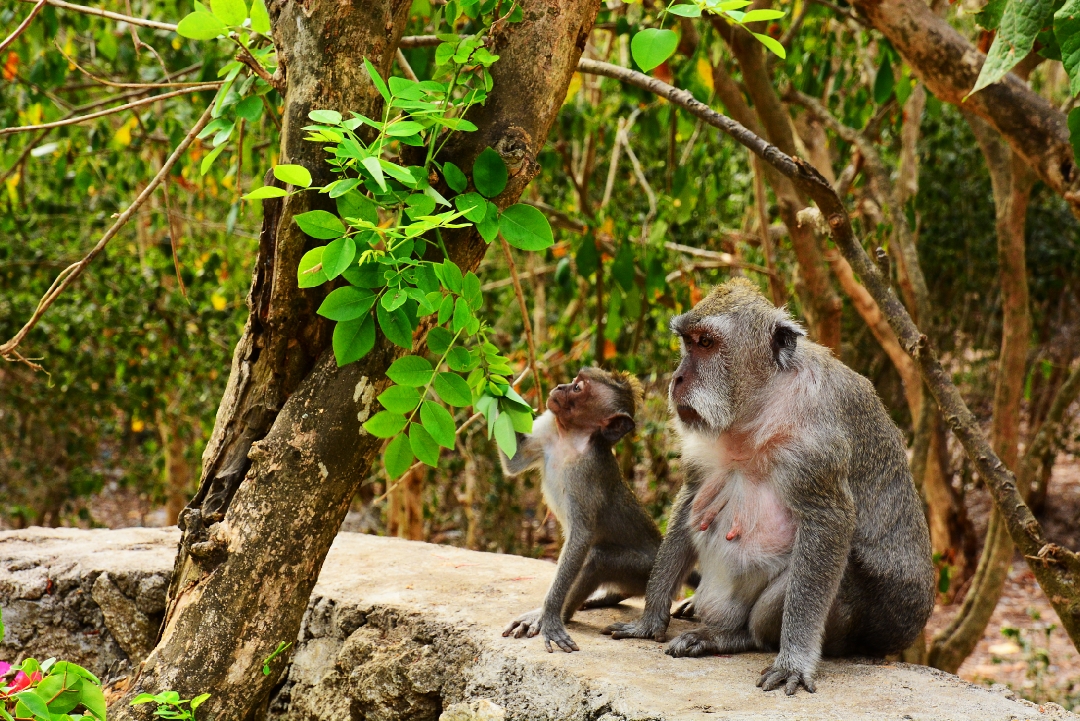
(700, 394)
(733, 342)
(589, 405)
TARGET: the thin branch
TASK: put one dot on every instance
(277, 83)
(118, 109)
(419, 41)
(111, 84)
(23, 25)
(174, 233)
(718, 259)
(1056, 568)
(503, 282)
(73, 271)
(403, 63)
(110, 15)
(524, 319)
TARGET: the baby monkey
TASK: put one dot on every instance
(610, 541)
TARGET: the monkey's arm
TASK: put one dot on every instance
(571, 561)
(673, 563)
(530, 453)
(826, 518)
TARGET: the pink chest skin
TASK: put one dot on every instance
(738, 501)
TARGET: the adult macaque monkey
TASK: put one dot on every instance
(610, 541)
(798, 503)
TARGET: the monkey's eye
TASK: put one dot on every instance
(705, 342)
(576, 387)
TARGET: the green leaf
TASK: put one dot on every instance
(438, 422)
(398, 457)
(355, 205)
(754, 16)
(771, 44)
(385, 424)
(462, 314)
(489, 173)
(353, 339)
(250, 108)
(439, 340)
(423, 445)
(883, 81)
(990, 16)
(472, 206)
(1074, 132)
(296, 175)
(320, 224)
(1020, 23)
(446, 309)
(325, 117)
(208, 161)
(489, 226)
(377, 80)
(453, 389)
(418, 205)
(400, 399)
(394, 299)
(652, 47)
(451, 274)
(522, 420)
(71, 669)
(685, 11)
(526, 228)
(267, 191)
(201, 698)
(454, 177)
(505, 436)
(1067, 32)
(470, 289)
(403, 128)
(410, 370)
(347, 303)
(143, 698)
(373, 166)
(230, 12)
(306, 276)
(35, 704)
(201, 26)
(460, 359)
(260, 20)
(338, 256)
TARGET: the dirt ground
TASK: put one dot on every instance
(1037, 660)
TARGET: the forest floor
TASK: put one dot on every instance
(1024, 647)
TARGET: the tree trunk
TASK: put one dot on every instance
(1012, 182)
(288, 451)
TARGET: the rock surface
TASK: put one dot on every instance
(401, 630)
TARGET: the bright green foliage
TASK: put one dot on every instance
(653, 46)
(171, 706)
(1020, 23)
(1067, 32)
(49, 691)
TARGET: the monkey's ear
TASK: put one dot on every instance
(784, 340)
(615, 427)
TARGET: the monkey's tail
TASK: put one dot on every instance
(693, 579)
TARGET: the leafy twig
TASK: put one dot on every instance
(525, 320)
(110, 15)
(73, 271)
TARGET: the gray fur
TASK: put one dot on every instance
(856, 577)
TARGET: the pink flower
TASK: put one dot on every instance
(22, 681)
(4, 668)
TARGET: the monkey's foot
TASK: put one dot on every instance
(555, 632)
(527, 624)
(702, 642)
(603, 599)
(685, 609)
(641, 628)
(786, 672)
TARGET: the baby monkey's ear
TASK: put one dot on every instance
(615, 427)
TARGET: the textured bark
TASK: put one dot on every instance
(288, 451)
(948, 64)
(1056, 569)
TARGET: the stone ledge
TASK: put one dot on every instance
(402, 630)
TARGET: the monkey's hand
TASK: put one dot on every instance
(553, 630)
(641, 628)
(788, 672)
(527, 624)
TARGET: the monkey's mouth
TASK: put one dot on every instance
(689, 416)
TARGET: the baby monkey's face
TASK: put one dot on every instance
(585, 404)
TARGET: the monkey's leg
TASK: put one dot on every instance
(709, 640)
(572, 563)
(621, 573)
(673, 562)
(604, 598)
(768, 613)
